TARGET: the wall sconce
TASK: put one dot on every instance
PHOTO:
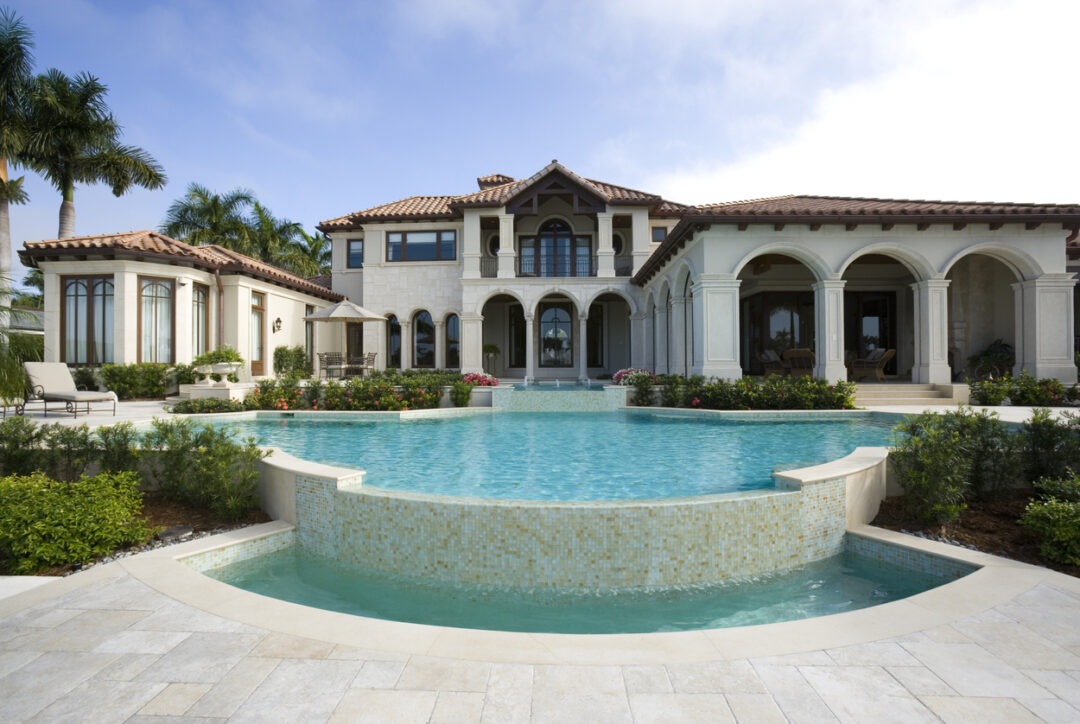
(277, 324)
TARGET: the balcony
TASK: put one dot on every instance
(489, 267)
(556, 266)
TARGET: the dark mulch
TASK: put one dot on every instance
(990, 527)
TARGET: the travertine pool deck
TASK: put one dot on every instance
(147, 638)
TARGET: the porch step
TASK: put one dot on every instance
(883, 393)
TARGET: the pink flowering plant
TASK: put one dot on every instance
(479, 379)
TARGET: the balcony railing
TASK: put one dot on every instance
(489, 268)
(561, 266)
(624, 267)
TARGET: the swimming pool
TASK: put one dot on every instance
(627, 455)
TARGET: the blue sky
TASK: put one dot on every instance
(326, 108)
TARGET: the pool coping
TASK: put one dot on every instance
(997, 581)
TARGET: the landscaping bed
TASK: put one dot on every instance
(991, 527)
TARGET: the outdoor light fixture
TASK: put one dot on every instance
(277, 324)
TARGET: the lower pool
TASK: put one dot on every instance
(570, 456)
(845, 582)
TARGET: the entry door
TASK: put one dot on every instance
(870, 324)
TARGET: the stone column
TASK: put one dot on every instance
(716, 325)
(641, 237)
(507, 250)
(663, 339)
(829, 330)
(605, 252)
(583, 352)
(639, 356)
(530, 349)
(126, 319)
(677, 355)
(1044, 327)
(440, 345)
(406, 344)
(472, 343)
(931, 314)
(470, 246)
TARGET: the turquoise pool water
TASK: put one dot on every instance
(834, 585)
(568, 456)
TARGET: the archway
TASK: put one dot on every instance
(504, 336)
(776, 309)
(879, 312)
(982, 316)
(607, 337)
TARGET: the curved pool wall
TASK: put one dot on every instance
(615, 544)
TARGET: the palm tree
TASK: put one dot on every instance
(274, 240)
(202, 217)
(73, 138)
(16, 64)
(316, 249)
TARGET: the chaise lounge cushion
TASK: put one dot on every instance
(52, 382)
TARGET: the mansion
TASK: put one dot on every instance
(557, 276)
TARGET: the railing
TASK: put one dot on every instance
(562, 266)
(489, 268)
(624, 267)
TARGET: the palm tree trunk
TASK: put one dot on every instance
(67, 210)
(5, 254)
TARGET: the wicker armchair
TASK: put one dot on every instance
(801, 360)
(873, 365)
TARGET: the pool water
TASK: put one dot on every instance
(568, 456)
(843, 583)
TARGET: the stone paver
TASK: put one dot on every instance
(118, 650)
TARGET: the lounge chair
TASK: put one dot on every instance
(773, 364)
(801, 361)
(52, 382)
(873, 365)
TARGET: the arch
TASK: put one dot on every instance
(423, 339)
(817, 266)
(1019, 262)
(617, 292)
(393, 342)
(452, 340)
(559, 291)
(919, 266)
(683, 276)
(501, 291)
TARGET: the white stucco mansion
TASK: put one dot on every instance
(558, 276)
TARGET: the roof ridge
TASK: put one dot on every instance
(923, 201)
(749, 201)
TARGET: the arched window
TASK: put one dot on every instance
(393, 343)
(423, 340)
(556, 339)
(453, 342)
(493, 246)
(87, 320)
(617, 244)
(156, 320)
(556, 252)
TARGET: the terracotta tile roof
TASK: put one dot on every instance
(150, 245)
(414, 208)
(322, 280)
(495, 190)
(816, 210)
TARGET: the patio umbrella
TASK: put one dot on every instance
(347, 312)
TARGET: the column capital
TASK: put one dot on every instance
(931, 284)
(829, 284)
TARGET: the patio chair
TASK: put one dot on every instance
(801, 361)
(52, 382)
(367, 363)
(873, 365)
(773, 364)
(331, 365)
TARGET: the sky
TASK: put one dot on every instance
(324, 108)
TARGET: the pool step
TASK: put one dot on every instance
(883, 393)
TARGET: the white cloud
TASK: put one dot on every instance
(980, 104)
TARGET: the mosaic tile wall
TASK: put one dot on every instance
(239, 551)
(913, 558)
(530, 399)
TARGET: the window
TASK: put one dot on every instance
(453, 342)
(155, 320)
(617, 244)
(556, 341)
(393, 343)
(594, 333)
(258, 334)
(423, 340)
(659, 233)
(86, 318)
(493, 246)
(556, 252)
(517, 336)
(356, 254)
(421, 246)
(309, 335)
(200, 319)
(354, 340)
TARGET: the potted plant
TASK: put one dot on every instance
(491, 351)
(223, 361)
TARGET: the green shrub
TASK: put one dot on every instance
(45, 523)
(283, 394)
(206, 405)
(990, 391)
(204, 466)
(994, 453)
(1052, 444)
(1066, 488)
(85, 377)
(145, 380)
(117, 447)
(460, 394)
(68, 450)
(1056, 523)
(19, 439)
(224, 353)
(931, 466)
(291, 361)
(313, 394)
(1023, 389)
(996, 360)
(181, 375)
